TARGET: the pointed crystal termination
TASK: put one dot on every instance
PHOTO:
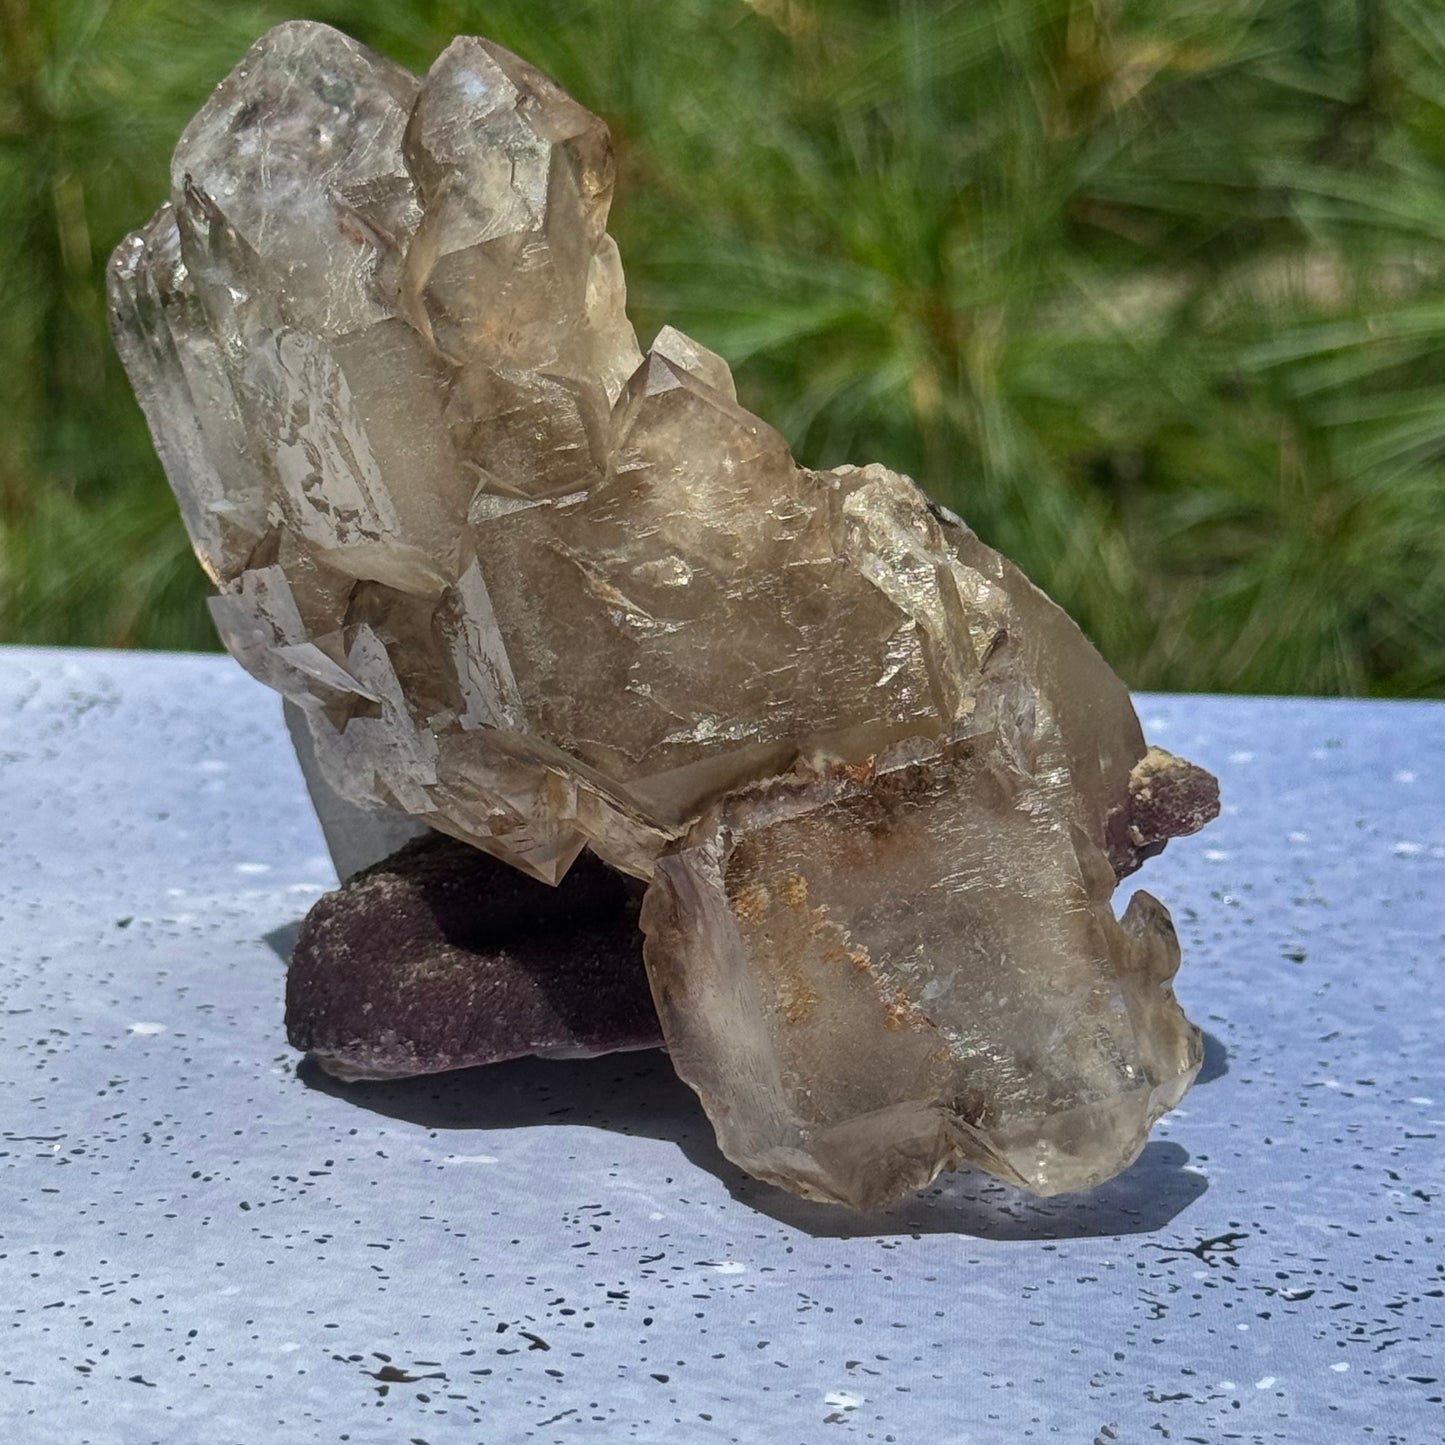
(525, 586)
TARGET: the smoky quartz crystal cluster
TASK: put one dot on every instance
(528, 587)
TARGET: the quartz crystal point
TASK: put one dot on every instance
(540, 592)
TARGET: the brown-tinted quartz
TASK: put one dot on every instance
(541, 592)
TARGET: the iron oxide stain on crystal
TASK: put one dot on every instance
(526, 586)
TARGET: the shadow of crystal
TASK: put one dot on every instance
(1216, 1061)
(1158, 1187)
(282, 940)
(639, 1095)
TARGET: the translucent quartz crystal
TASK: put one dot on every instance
(541, 592)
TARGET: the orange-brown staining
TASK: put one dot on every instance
(791, 929)
(793, 890)
(839, 953)
(752, 902)
(900, 1011)
(797, 998)
(802, 942)
(347, 227)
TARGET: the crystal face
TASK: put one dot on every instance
(533, 589)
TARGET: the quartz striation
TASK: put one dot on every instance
(540, 592)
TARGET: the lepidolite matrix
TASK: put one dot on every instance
(533, 589)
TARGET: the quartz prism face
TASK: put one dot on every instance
(526, 586)
(863, 1004)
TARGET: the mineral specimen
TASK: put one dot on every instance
(442, 957)
(543, 593)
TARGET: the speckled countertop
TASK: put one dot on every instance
(200, 1242)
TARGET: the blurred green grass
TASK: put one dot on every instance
(1151, 291)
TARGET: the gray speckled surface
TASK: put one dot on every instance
(199, 1242)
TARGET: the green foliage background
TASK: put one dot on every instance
(1151, 291)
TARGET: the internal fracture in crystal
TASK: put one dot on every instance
(529, 587)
